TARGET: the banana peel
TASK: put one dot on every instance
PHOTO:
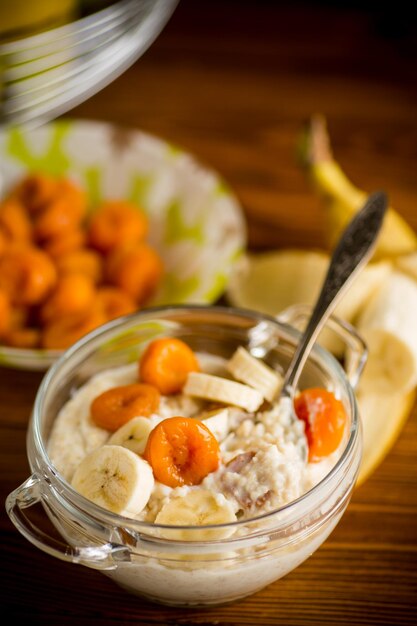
(343, 199)
(407, 264)
(383, 417)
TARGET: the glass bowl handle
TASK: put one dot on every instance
(104, 556)
(356, 351)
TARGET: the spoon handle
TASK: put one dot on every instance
(352, 252)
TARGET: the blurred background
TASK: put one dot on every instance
(233, 81)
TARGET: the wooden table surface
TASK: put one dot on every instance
(233, 82)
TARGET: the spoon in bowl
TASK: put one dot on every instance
(352, 252)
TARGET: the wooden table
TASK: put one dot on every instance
(233, 82)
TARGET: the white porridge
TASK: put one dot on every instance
(263, 453)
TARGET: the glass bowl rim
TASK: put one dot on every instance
(45, 37)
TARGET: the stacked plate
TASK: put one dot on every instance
(43, 75)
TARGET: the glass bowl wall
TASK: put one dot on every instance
(45, 74)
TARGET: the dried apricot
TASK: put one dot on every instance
(117, 223)
(166, 363)
(5, 312)
(64, 243)
(61, 333)
(64, 212)
(116, 406)
(325, 419)
(137, 271)
(83, 261)
(35, 191)
(21, 332)
(3, 241)
(115, 302)
(20, 316)
(182, 451)
(27, 274)
(73, 293)
(14, 222)
(26, 338)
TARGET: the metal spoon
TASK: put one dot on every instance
(351, 253)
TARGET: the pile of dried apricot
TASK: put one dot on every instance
(64, 269)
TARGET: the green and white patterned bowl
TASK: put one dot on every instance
(196, 223)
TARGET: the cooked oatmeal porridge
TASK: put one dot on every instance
(213, 445)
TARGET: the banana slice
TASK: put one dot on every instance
(217, 422)
(246, 368)
(132, 435)
(388, 326)
(222, 390)
(272, 281)
(115, 478)
(199, 507)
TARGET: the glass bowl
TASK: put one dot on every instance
(45, 74)
(138, 556)
(195, 221)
